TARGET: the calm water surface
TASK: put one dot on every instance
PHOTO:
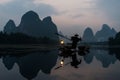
(99, 64)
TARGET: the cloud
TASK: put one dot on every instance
(110, 8)
(71, 6)
(21, 6)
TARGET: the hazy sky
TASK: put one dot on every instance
(71, 16)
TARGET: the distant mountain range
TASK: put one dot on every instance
(102, 35)
(32, 25)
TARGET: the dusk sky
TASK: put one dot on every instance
(70, 16)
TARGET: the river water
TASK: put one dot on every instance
(98, 64)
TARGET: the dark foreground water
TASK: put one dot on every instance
(99, 64)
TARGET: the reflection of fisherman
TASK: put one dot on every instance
(75, 40)
(75, 62)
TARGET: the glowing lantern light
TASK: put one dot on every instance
(61, 63)
(62, 42)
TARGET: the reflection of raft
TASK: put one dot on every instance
(67, 51)
(83, 50)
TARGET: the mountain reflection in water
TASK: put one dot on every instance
(30, 65)
(101, 55)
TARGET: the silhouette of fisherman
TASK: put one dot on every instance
(75, 40)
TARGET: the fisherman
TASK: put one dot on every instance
(70, 51)
(75, 40)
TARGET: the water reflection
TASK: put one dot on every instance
(115, 52)
(102, 56)
(30, 65)
(97, 65)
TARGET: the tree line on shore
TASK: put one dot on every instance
(20, 38)
(115, 40)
